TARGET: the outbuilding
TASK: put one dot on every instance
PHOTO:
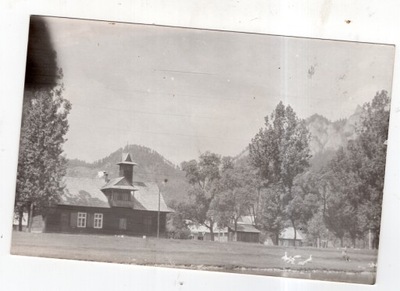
(288, 239)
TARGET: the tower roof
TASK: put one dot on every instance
(119, 183)
(127, 160)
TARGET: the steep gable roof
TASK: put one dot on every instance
(244, 228)
(246, 219)
(146, 197)
(87, 192)
(83, 192)
(288, 233)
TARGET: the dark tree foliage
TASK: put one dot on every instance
(42, 71)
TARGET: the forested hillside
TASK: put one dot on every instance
(151, 167)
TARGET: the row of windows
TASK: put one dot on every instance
(97, 222)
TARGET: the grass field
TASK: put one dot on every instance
(246, 258)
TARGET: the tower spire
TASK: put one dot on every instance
(126, 167)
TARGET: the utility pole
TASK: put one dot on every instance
(158, 212)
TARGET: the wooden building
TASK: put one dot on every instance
(118, 206)
(201, 232)
(245, 230)
(287, 238)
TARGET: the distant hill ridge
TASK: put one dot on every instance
(151, 167)
(326, 138)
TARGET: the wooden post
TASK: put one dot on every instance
(158, 214)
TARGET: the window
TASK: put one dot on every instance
(122, 223)
(98, 220)
(122, 196)
(82, 219)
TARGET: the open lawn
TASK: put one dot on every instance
(237, 257)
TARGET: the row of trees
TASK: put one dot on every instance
(354, 180)
(275, 184)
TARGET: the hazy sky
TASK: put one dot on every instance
(182, 92)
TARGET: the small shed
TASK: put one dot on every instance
(287, 238)
(201, 232)
(245, 233)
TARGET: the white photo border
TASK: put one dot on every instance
(371, 21)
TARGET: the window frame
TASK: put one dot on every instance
(98, 218)
(81, 220)
(124, 225)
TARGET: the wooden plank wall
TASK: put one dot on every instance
(63, 219)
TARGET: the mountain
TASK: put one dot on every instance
(328, 136)
(151, 167)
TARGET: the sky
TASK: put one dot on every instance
(185, 91)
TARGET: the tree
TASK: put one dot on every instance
(272, 216)
(305, 202)
(372, 140)
(357, 174)
(41, 165)
(316, 229)
(279, 153)
(203, 176)
(238, 191)
(177, 226)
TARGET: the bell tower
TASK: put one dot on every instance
(126, 167)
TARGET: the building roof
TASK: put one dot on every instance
(84, 192)
(146, 197)
(288, 233)
(246, 219)
(118, 183)
(127, 160)
(244, 228)
(87, 192)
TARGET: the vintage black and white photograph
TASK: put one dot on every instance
(202, 149)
